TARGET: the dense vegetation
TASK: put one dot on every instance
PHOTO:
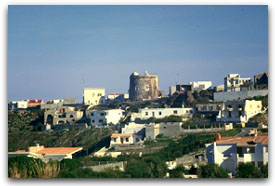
(248, 170)
(212, 171)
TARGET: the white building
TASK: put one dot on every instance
(239, 111)
(126, 139)
(46, 154)
(201, 85)
(172, 90)
(147, 113)
(93, 96)
(13, 105)
(132, 127)
(113, 96)
(102, 117)
(229, 152)
(232, 82)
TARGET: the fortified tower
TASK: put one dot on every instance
(143, 87)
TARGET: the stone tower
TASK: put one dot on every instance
(143, 87)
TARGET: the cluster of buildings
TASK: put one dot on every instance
(229, 106)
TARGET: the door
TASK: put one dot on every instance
(121, 140)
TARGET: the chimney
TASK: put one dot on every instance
(218, 136)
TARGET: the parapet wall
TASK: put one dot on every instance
(228, 96)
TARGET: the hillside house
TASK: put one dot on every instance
(47, 153)
(239, 111)
(99, 118)
(123, 139)
(93, 96)
(229, 152)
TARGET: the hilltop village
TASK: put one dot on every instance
(184, 134)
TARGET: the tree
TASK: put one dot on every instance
(177, 172)
(69, 164)
(212, 171)
(137, 169)
(249, 170)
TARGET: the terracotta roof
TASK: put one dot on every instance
(59, 150)
(243, 141)
(20, 151)
(121, 135)
(262, 133)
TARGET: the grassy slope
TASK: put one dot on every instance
(21, 134)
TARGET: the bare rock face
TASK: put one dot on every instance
(143, 87)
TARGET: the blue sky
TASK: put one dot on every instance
(56, 51)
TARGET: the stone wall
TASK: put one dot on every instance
(228, 96)
(100, 168)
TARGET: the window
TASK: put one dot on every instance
(93, 121)
(160, 113)
(146, 113)
(114, 139)
(175, 112)
(147, 87)
(92, 114)
(71, 116)
(99, 94)
(251, 149)
(127, 139)
(102, 114)
(240, 151)
(186, 111)
(100, 121)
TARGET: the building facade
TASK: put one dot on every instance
(229, 152)
(209, 107)
(143, 87)
(99, 118)
(261, 81)
(93, 96)
(62, 115)
(147, 113)
(123, 139)
(200, 85)
(169, 129)
(239, 111)
(232, 82)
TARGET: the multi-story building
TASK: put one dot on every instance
(229, 152)
(93, 96)
(99, 118)
(239, 111)
(147, 113)
(61, 115)
(232, 82)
